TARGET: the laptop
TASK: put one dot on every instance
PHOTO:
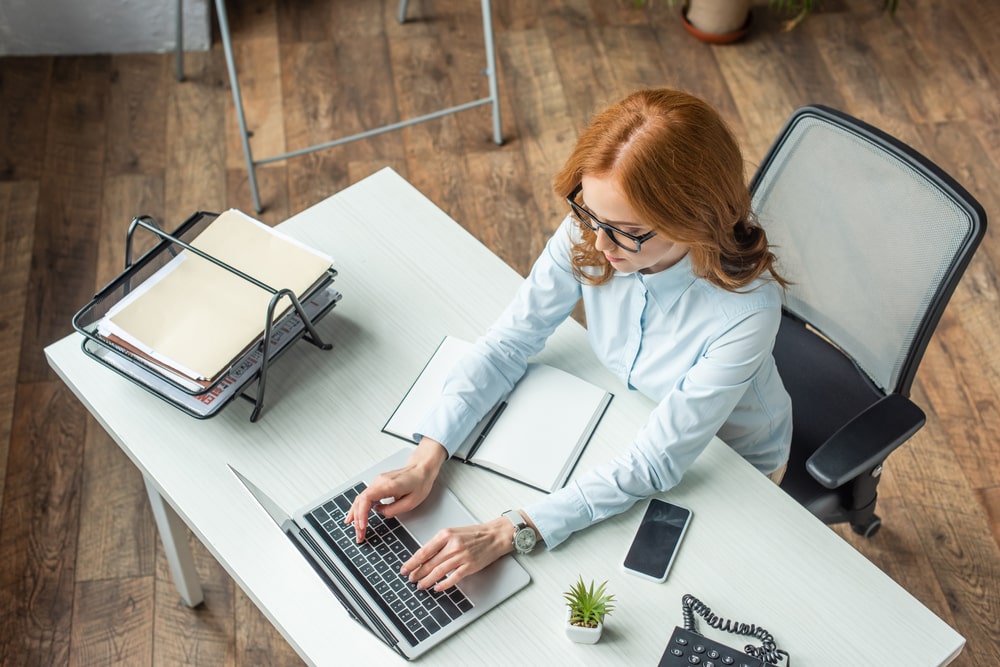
(365, 577)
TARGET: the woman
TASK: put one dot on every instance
(682, 303)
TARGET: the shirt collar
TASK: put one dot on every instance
(667, 286)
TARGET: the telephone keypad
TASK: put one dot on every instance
(687, 648)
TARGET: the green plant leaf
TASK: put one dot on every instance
(588, 606)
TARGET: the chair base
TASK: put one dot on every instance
(854, 505)
(867, 528)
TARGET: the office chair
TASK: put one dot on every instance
(874, 238)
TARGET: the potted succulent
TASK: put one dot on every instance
(586, 609)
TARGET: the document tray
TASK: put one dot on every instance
(201, 399)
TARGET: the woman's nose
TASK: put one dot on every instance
(603, 241)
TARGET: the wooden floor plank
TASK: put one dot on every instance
(444, 65)
(137, 99)
(127, 196)
(317, 110)
(848, 55)
(205, 635)
(113, 619)
(119, 520)
(305, 21)
(632, 68)
(258, 65)
(18, 203)
(434, 150)
(955, 535)
(989, 499)
(588, 82)
(67, 216)
(195, 172)
(503, 207)
(927, 92)
(40, 520)
(898, 553)
(24, 89)
(272, 183)
(982, 23)
(769, 78)
(257, 641)
(541, 118)
(966, 85)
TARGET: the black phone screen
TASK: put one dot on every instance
(657, 539)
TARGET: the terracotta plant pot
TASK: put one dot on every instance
(717, 21)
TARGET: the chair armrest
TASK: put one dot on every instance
(865, 441)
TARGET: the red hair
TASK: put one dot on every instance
(681, 170)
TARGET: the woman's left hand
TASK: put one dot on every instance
(455, 553)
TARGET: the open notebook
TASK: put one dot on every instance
(535, 435)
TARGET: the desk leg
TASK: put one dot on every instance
(173, 533)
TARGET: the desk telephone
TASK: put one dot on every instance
(687, 647)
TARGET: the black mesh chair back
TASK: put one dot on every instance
(874, 238)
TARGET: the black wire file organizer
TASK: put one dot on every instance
(246, 376)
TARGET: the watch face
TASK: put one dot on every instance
(524, 540)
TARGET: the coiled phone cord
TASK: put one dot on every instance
(767, 651)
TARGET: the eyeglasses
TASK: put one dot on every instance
(621, 239)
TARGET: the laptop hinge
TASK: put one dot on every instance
(377, 627)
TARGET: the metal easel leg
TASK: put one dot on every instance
(491, 63)
(220, 9)
(173, 534)
(491, 70)
(179, 42)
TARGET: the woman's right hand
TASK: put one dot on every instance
(404, 488)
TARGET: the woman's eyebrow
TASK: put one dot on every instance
(618, 223)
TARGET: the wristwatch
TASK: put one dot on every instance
(524, 535)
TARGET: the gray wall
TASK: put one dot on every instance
(79, 27)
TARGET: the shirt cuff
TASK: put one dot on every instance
(559, 515)
(450, 423)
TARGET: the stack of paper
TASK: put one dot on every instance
(196, 317)
(207, 403)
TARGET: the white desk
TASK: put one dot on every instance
(410, 275)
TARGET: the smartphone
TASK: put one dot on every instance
(657, 540)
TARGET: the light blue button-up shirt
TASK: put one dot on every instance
(701, 352)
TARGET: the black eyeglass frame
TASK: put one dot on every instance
(589, 219)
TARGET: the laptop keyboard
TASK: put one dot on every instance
(375, 565)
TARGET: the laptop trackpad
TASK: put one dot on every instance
(442, 509)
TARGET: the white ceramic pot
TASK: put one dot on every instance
(583, 635)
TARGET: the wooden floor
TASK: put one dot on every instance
(86, 142)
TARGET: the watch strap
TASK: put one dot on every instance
(520, 527)
(515, 518)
